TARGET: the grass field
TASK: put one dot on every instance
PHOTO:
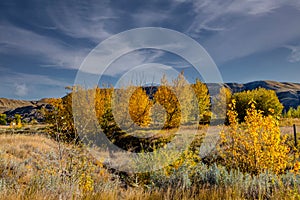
(37, 167)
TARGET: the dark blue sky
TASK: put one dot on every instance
(43, 43)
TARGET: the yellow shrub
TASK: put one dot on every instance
(86, 182)
(256, 145)
(188, 158)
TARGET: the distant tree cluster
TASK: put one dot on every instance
(15, 122)
(265, 101)
(118, 112)
(292, 113)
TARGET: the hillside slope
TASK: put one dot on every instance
(29, 110)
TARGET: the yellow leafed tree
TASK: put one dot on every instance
(187, 100)
(167, 98)
(221, 102)
(202, 101)
(140, 107)
(103, 98)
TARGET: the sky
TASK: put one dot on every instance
(44, 43)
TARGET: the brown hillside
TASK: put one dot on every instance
(10, 104)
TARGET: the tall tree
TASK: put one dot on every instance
(167, 98)
(202, 101)
(221, 102)
(140, 107)
(185, 95)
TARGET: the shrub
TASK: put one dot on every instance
(256, 145)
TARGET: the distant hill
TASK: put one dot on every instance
(9, 104)
(29, 110)
(288, 93)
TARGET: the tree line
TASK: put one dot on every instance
(172, 104)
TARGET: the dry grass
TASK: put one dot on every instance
(36, 167)
(289, 122)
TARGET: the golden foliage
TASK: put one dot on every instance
(103, 97)
(221, 102)
(60, 118)
(187, 99)
(257, 145)
(167, 98)
(202, 100)
(140, 107)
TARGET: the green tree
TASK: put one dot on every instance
(266, 101)
(18, 119)
(293, 113)
(158, 115)
(3, 119)
(120, 107)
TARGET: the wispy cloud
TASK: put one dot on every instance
(130, 60)
(150, 18)
(85, 19)
(19, 41)
(295, 54)
(221, 15)
(10, 77)
(21, 89)
(255, 34)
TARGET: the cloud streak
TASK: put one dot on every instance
(18, 41)
(82, 19)
(220, 15)
(255, 35)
